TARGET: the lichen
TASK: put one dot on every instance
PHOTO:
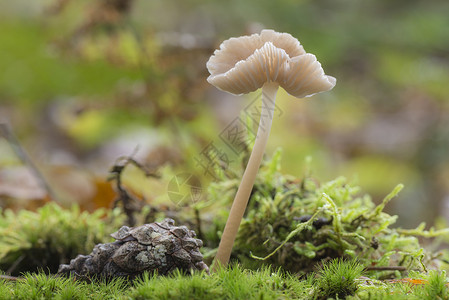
(142, 257)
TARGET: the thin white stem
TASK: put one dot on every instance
(269, 91)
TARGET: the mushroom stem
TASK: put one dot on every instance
(269, 91)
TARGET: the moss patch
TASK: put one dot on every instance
(296, 223)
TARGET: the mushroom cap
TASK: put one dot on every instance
(245, 64)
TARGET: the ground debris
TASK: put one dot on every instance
(160, 247)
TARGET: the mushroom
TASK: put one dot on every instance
(244, 64)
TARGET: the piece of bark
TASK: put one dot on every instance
(160, 247)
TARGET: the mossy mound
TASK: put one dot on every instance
(52, 235)
(296, 223)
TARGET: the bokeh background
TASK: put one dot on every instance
(85, 82)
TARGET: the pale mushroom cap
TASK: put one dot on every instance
(245, 64)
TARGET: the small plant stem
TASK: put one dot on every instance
(269, 91)
(7, 277)
(386, 268)
(6, 132)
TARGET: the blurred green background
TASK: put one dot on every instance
(84, 82)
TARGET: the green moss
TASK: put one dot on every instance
(41, 286)
(232, 283)
(436, 289)
(420, 286)
(337, 278)
(295, 223)
(50, 236)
